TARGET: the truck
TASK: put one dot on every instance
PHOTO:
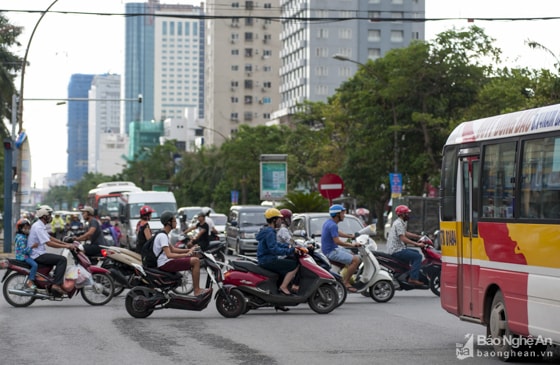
(129, 211)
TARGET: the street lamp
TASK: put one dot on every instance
(340, 57)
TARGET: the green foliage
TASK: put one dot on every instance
(300, 202)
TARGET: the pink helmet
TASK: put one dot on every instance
(402, 209)
(287, 215)
(145, 210)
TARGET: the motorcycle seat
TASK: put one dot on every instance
(252, 267)
(24, 264)
(170, 275)
(384, 254)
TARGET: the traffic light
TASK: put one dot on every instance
(8, 144)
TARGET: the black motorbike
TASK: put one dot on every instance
(158, 292)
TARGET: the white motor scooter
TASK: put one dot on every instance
(370, 277)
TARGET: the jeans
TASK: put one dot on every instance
(51, 259)
(33, 269)
(414, 258)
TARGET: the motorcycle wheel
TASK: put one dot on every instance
(186, 286)
(434, 284)
(324, 300)
(382, 291)
(342, 292)
(101, 292)
(16, 282)
(119, 288)
(135, 304)
(232, 309)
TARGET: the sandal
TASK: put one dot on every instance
(294, 289)
(351, 289)
(283, 292)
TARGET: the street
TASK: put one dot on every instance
(410, 328)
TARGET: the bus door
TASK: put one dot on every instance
(470, 167)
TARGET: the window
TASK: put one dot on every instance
(234, 84)
(235, 5)
(498, 180)
(248, 84)
(171, 28)
(248, 67)
(235, 67)
(234, 116)
(164, 28)
(396, 36)
(540, 179)
(345, 33)
(372, 15)
(267, 5)
(235, 52)
(266, 100)
(248, 99)
(249, 36)
(321, 71)
(248, 52)
(397, 16)
(374, 35)
(249, 21)
(267, 84)
(322, 52)
(266, 116)
(249, 5)
(397, 1)
(322, 33)
(247, 116)
(234, 99)
(374, 53)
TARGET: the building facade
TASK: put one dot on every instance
(164, 58)
(78, 113)
(309, 71)
(242, 64)
(104, 123)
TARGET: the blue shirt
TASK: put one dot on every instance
(22, 251)
(269, 248)
(328, 233)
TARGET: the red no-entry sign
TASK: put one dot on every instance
(331, 186)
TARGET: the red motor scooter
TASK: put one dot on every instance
(430, 270)
(317, 287)
(98, 291)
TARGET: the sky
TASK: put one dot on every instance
(91, 44)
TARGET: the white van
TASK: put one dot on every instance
(129, 211)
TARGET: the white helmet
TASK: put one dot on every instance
(43, 211)
(206, 211)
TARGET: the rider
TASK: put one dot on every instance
(202, 238)
(334, 247)
(94, 233)
(397, 240)
(269, 249)
(284, 235)
(143, 231)
(173, 259)
(57, 226)
(213, 231)
(39, 235)
(23, 252)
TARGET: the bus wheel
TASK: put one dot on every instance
(498, 327)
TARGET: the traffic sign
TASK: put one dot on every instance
(331, 186)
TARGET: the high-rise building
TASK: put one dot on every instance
(309, 71)
(103, 122)
(242, 64)
(78, 88)
(163, 61)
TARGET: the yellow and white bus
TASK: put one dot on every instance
(500, 225)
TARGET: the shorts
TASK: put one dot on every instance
(341, 255)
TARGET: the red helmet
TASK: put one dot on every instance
(145, 210)
(286, 213)
(402, 209)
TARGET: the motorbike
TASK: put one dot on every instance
(430, 270)
(120, 263)
(216, 247)
(260, 286)
(370, 279)
(157, 294)
(99, 291)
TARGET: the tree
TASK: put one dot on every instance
(10, 64)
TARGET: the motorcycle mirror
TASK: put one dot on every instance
(370, 230)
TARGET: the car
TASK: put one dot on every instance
(312, 224)
(191, 212)
(244, 221)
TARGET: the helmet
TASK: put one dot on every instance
(272, 213)
(287, 214)
(335, 209)
(145, 210)
(402, 209)
(166, 217)
(88, 209)
(43, 211)
(206, 211)
(21, 223)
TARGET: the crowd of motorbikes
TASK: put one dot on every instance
(238, 286)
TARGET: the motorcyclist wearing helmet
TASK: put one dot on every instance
(39, 235)
(143, 231)
(284, 235)
(173, 259)
(269, 249)
(23, 252)
(334, 247)
(397, 240)
(94, 233)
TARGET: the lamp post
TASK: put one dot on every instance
(340, 57)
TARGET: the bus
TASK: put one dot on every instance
(500, 225)
(105, 197)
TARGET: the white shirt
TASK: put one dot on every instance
(38, 234)
(161, 241)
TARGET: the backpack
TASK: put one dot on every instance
(149, 258)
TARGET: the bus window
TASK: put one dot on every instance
(540, 190)
(449, 184)
(498, 180)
